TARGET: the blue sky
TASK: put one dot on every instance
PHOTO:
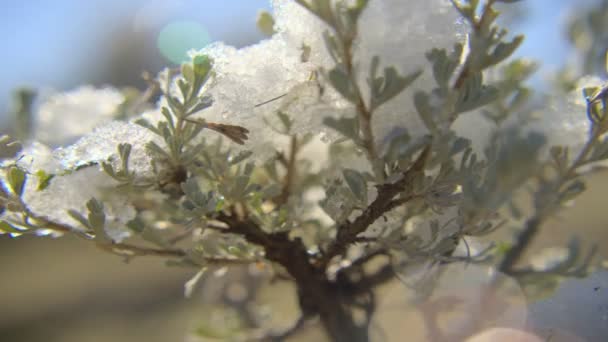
(50, 43)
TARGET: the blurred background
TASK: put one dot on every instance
(66, 290)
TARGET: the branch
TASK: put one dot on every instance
(348, 231)
(129, 250)
(466, 69)
(533, 224)
(383, 275)
(280, 336)
(524, 239)
(290, 174)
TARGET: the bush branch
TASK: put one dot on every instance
(348, 231)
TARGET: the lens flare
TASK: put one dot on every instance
(177, 38)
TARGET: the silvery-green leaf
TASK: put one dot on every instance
(503, 51)
(184, 88)
(156, 151)
(204, 102)
(573, 190)
(188, 72)
(96, 216)
(397, 146)
(341, 81)
(444, 65)
(16, 179)
(80, 218)
(392, 85)
(425, 111)
(146, 124)
(233, 160)
(265, 23)
(7, 228)
(281, 124)
(349, 127)
(44, 179)
(331, 44)
(166, 112)
(357, 184)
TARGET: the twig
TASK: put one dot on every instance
(523, 241)
(290, 173)
(348, 231)
(533, 224)
(133, 251)
(476, 25)
(383, 275)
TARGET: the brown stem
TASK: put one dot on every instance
(318, 296)
(364, 113)
(524, 239)
(290, 173)
(532, 226)
(348, 231)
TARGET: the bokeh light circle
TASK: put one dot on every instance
(177, 38)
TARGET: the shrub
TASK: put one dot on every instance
(363, 140)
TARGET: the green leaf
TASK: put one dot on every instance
(331, 44)
(281, 124)
(176, 105)
(184, 89)
(24, 103)
(265, 23)
(188, 72)
(395, 84)
(137, 225)
(503, 51)
(349, 127)
(8, 228)
(425, 111)
(233, 160)
(124, 151)
(444, 65)
(572, 190)
(204, 102)
(16, 179)
(44, 179)
(97, 216)
(390, 85)
(146, 124)
(357, 184)
(80, 218)
(473, 94)
(341, 81)
(108, 169)
(202, 65)
(397, 146)
(194, 193)
(190, 285)
(156, 151)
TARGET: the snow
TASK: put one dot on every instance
(400, 32)
(79, 177)
(64, 117)
(101, 145)
(252, 75)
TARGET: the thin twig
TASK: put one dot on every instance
(533, 224)
(290, 172)
(348, 231)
